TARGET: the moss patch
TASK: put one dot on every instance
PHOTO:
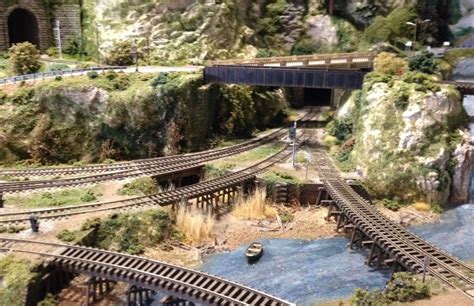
(15, 275)
(54, 199)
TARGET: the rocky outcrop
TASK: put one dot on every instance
(404, 138)
(464, 160)
(464, 70)
(321, 29)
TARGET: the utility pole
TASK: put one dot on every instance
(97, 42)
(57, 30)
(294, 146)
(135, 53)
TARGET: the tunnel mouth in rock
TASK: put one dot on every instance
(317, 96)
(23, 27)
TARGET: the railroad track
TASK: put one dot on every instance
(159, 199)
(141, 163)
(191, 285)
(151, 167)
(405, 247)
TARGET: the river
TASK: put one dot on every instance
(309, 272)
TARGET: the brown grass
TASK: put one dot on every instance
(421, 206)
(196, 225)
(254, 207)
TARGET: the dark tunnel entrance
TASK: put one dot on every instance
(317, 96)
(23, 26)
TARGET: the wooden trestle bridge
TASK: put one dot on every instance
(388, 242)
(145, 276)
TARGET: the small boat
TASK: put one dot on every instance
(254, 252)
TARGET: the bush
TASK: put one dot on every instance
(58, 78)
(58, 67)
(305, 47)
(92, 75)
(391, 28)
(389, 63)
(340, 128)
(161, 79)
(141, 186)
(423, 62)
(266, 53)
(392, 204)
(120, 54)
(24, 58)
(402, 288)
(52, 52)
(73, 47)
(66, 235)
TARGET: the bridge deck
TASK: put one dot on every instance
(188, 284)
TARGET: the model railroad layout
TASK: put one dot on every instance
(179, 282)
(389, 243)
(153, 167)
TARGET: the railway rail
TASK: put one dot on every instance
(191, 285)
(147, 167)
(160, 199)
(391, 239)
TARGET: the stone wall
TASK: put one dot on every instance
(67, 14)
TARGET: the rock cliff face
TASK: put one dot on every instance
(90, 120)
(410, 141)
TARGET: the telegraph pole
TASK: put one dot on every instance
(57, 30)
(294, 146)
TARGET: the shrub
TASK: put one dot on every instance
(389, 63)
(392, 204)
(58, 67)
(266, 53)
(161, 79)
(73, 46)
(66, 235)
(402, 288)
(120, 54)
(24, 58)
(92, 75)
(400, 97)
(305, 47)
(340, 128)
(391, 28)
(58, 78)
(52, 52)
(141, 186)
(423, 62)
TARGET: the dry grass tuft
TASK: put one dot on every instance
(196, 225)
(254, 207)
(421, 206)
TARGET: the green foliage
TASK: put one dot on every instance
(340, 128)
(52, 52)
(237, 113)
(394, 205)
(423, 62)
(305, 47)
(120, 54)
(54, 199)
(15, 275)
(271, 23)
(92, 75)
(391, 28)
(273, 177)
(437, 208)
(73, 46)
(161, 79)
(58, 67)
(131, 233)
(140, 186)
(285, 216)
(266, 53)
(58, 78)
(424, 82)
(24, 58)
(217, 170)
(66, 235)
(401, 95)
(402, 288)
(376, 77)
(389, 63)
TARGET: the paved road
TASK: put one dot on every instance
(141, 69)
